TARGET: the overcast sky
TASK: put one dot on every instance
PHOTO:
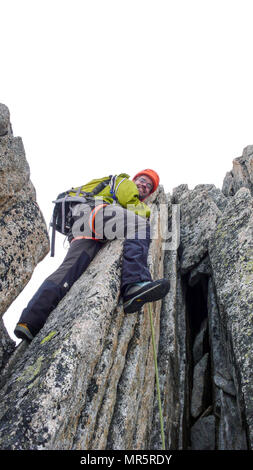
(106, 86)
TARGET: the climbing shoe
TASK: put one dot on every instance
(138, 294)
(22, 331)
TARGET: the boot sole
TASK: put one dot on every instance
(23, 333)
(146, 294)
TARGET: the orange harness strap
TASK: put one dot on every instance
(92, 224)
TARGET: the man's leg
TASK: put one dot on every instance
(115, 222)
(135, 260)
(137, 286)
(54, 288)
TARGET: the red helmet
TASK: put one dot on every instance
(152, 175)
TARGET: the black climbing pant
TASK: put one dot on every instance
(111, 222)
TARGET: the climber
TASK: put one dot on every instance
(125, 208)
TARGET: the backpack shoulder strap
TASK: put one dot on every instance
(114, 189)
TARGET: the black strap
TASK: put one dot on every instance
(53, 236)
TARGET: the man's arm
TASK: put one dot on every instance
(128, 197)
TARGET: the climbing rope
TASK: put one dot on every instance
(157, 376)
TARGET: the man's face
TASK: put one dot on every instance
(144, 185)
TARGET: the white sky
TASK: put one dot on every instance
(106, 86)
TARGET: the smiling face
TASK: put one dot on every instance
(144, 185)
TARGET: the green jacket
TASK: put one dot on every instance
(126, 192)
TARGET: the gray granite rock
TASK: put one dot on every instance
(24, 239)
(231, 255)
(199, 214)
(203, 434)
(87, 380)
(200, 386)
(241, 175)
